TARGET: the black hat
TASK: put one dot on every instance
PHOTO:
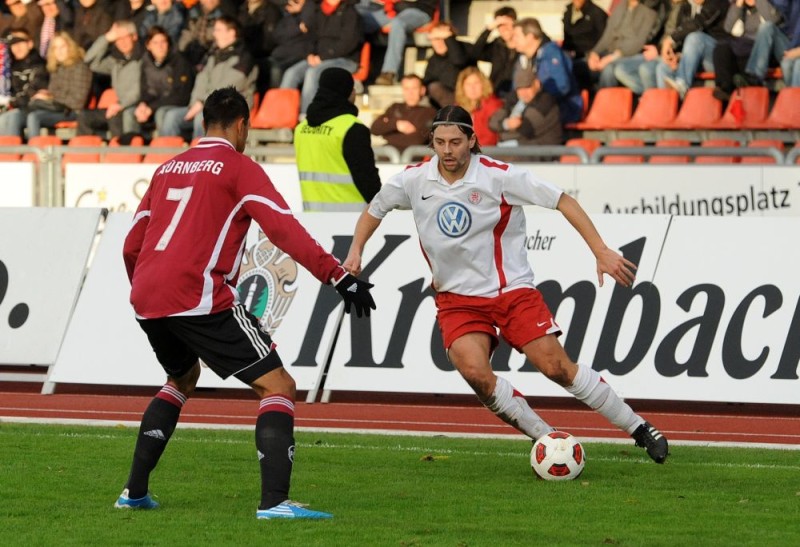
(335, 81)
(12, 39)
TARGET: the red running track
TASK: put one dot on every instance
(457, 415)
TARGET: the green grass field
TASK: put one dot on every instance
(58, 484)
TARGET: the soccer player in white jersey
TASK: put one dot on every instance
(468, 212)
(182, 256)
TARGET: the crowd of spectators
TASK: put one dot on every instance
(161, 58)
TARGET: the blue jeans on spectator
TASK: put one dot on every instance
(301, 74)
(45, 118)
(607, 77)
(169, 121)
(791, 72)
(13, 122)
(770, 41)
(404, 22)
(698, 48)
(636, 74)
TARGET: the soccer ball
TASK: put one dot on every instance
(558, 456)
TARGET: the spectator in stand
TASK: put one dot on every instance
(697, 38)
(293, 44)
(778, 39)
(68, 90)
(22, 15)
(552, 66)
(229, 64)
(166, 14)
(129, 10)
(742, 22)
(408, 123)
(584, 23)
(258, 19)
(92, 20)
(57, 16)
(399, 18)
(474, 94)
(166, 81)
(627, 30)
(628, 70)
(117, 54)
(28, 76)
(499, 52)
(530, 117)
(197, 37)
(336, 39)
(448, 59)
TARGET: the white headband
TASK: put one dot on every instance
(467, 125)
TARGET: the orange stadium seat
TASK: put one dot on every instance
(166, 141)
(83, 157)
(590, 145)
(123, 157)
(362, 73)
(611, 109)
(699, 109)
(107, 98)
(41, 141)
(676, 143)
(748, 105)
(763, 143)
(624, 143)
(280, 108)
(10, 140)
(657, 107)
(719, 143)
(784, 113)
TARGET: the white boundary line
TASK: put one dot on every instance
(387, 432)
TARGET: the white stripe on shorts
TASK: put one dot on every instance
(261, 347)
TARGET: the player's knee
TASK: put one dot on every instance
(558, 371)
(187, 383)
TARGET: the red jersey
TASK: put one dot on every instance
(185, 246)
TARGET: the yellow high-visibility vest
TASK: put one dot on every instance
(325, 180)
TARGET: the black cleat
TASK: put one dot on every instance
(651, 439)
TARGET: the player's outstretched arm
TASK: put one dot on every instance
(365, 227)
(608, 260)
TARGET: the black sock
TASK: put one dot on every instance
(275, 444)
(158, 423)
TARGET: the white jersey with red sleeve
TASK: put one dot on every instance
(185, 246)
(472, 231)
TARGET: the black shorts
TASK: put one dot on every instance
(230, 342)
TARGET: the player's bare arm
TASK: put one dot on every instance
(365, 227)
(609, 261)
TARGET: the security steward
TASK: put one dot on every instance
(334, 154)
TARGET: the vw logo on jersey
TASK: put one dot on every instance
(454, 219)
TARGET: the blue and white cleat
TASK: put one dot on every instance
(291, 510)
(124, 502)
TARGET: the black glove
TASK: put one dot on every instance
(355, 292)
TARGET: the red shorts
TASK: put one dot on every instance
(521, 316)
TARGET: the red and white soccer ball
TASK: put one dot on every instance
(558, 456)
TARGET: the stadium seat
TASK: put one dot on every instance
(698, 110)
(718, 143)
(107, 98)
(784, 113)
(40, 141)
(280, 108)
(657, 108)
(624, 143)
(123, 157)
(83, 157)
(590, 145)
(166, 141)
(10, 140)
(676, 143)
(611, 109)
(763, 143)
(362, 72)
(748, 105)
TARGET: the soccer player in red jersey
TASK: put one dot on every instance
(182, 256)
(468, 212)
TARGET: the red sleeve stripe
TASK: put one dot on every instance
(499, 229)
(276, 403)
(489, 163)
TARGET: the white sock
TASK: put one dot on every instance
(590, 388)
(510, 406)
